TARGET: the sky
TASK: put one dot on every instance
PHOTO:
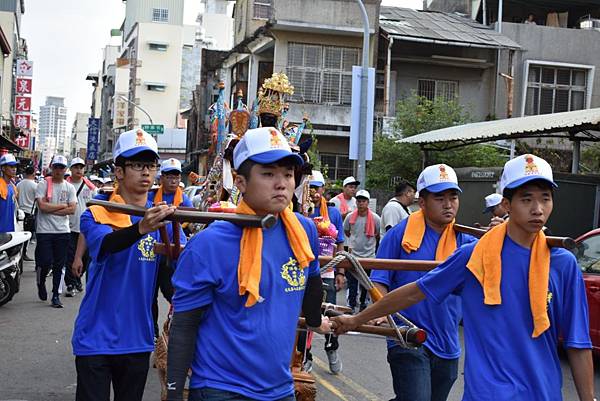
(65, 39)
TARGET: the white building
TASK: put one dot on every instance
(216, 25)
(53, 124)
(79, 135)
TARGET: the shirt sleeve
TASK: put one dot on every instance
(336, 218)
(389, 248)
(72, 194)
(94, 234)
(377, 223)
(574, 308)
(347, 223)
(40, 190)
(448, 277)
(196, 276)
(186, 201)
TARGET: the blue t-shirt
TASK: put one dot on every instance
(115, 316)
(186, 202)
(440, 321)
(335, 217)
(239, 349)
(7, 210)
(503, 362)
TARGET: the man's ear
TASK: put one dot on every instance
(505, 204)
(422, 202)
(119, 172)
(241, 182)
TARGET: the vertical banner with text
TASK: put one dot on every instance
(93, 139)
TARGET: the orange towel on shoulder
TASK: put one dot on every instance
(250, 264)
(415, 230)
(4, 188)
(486, 265)
(324, 209)
(177, 198)
(113, 219)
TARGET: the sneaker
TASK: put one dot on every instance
(56, 302)
(70, 292)
(308, 366)
(335, 363)
(42, 294)
(79, 287)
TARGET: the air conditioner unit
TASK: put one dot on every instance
(587, 22)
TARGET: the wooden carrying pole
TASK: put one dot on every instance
(196, 216)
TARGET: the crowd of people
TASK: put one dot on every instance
(236, 292)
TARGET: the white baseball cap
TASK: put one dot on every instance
(132, 142)
(350, 180)
(316, 179)
(59, 159)
(491, 201)
(77, 160)
(8, 159)
(106, 180)
(363, 193)
(170, 165)
(437, 178)
(94, 177)
(265, 146)
(523, 169)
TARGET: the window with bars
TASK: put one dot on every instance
(262, 9)
(160, 15)
(338, 166)
(555, 89)
(321, 74)
(436, 89)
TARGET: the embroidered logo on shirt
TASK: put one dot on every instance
(294, 275)
(548, 299)
(146, 247)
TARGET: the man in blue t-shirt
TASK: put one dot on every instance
(171, 193)
(519, 296)
(8, 193)
(113, 334)
(426, 373)
(333, 280)
(239, 291)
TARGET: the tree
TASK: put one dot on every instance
(415, 115)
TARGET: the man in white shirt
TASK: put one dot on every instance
(396, 209)
(56, 202)
(26, 198)
(85, 190)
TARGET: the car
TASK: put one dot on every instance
(587, 253)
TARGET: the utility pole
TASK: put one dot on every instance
(364, 82)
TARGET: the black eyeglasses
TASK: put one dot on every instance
(140, 166)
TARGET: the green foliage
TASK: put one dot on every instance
(590, 158)
(415, 115)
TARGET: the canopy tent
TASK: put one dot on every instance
(576, 126)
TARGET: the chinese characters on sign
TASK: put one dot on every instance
(22, 103)
(24, 86)
(23, 121)
(92, 145)
(24, 68)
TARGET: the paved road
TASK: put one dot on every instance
(36, 363)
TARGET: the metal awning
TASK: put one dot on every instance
(573, 125)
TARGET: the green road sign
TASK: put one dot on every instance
(154, 128)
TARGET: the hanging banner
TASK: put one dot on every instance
(93, 138)
(24, 86)
(23, 121)
(24, 68)
(22, 103)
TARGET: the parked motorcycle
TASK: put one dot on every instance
(11, 263)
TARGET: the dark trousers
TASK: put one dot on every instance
(70, 279)
(420, 375)
(126, 372)
(50, 253)
(353, 290)
(163, 282)
(213, 394)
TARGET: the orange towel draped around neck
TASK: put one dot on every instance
(323, 208)
(486, 266)
(415, 230)
(177, 198)
(344, 208)
(369, 225)
(250, 264)
(113, 219)
(4, 188)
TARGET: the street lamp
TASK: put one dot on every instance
(134, 105)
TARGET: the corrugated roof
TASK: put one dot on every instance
(418, 25)
(549, 125)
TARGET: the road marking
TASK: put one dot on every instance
(329, 386)
(366, 394)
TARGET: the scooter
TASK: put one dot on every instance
(11, 263)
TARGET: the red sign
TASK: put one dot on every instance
(23, 141)
(22, 103)
(23, 121)
(24, 86)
